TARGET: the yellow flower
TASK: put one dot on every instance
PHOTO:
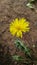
(18, 26)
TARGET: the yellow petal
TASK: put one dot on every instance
(19, 34)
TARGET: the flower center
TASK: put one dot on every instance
(18, 28)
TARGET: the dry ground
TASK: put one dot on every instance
(11, 9)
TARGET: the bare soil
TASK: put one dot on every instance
(9, 10)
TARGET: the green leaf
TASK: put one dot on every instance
(31, 1)
(17, 58)
(30, 5)
(19, 44)
(22, 60)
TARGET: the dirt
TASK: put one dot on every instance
(9, 10)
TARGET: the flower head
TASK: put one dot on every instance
(18, 26)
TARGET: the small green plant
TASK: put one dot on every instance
(30, 4)
(19, 44)
(20, 59)
(27, 51)
(17, 58)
